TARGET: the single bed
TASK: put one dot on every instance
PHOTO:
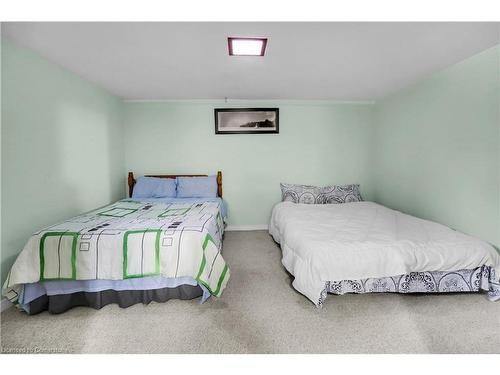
(364, 247)
(135, 250)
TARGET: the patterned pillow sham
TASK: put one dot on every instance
(340, 194)
(320, 195)
(299, 193)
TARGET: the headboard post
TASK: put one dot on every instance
(219, 184)
(131, 183)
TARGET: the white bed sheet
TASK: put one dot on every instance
(360, 240)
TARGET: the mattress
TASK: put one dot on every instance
(357, 241)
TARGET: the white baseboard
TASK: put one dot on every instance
(230, 228)
(5, 304)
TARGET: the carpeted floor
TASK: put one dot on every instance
(260, 312)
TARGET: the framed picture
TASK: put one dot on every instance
(246, 121)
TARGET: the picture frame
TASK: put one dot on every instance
(246, 120)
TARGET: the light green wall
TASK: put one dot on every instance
(319, 143)
(437, 148)
(62, 147)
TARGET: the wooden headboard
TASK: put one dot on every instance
(131, 180)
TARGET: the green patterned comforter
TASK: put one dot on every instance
(128, 239)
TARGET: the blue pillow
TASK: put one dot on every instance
(153, 187)
(166, 188)
(197, 187)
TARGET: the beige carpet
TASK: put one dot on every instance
(260, 312)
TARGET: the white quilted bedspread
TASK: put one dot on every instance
(351, 241)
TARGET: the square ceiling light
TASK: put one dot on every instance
(246, 46)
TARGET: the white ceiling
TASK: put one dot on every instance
(337, 61)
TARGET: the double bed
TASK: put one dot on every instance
(364, 247)
(139, 249)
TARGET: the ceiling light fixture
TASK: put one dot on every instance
(246, 46)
